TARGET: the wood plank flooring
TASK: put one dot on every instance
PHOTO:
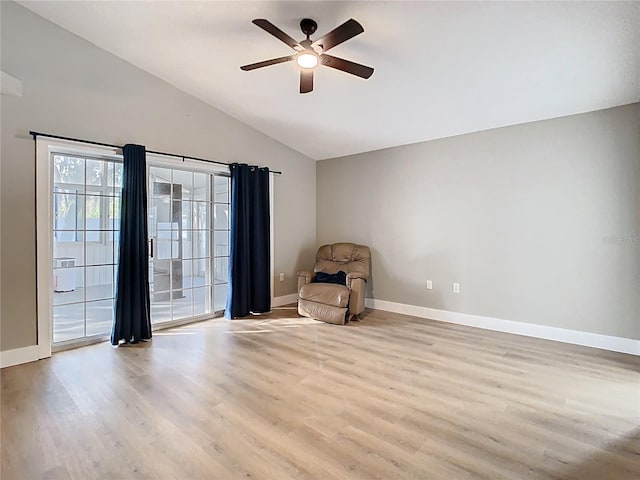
(283, 397)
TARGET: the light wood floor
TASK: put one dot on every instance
(390, 397)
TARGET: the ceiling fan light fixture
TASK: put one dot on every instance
(310, 54)
(307, 59)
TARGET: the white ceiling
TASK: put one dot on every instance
(441, 68)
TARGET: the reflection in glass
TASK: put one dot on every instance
(201, 239)
(68, 170)
(201, 300)
(65, 253)
(161, 279)
(159, 176)
(221, 216)
(185, 180)
(220, 296)
(186, 209)
(187, 244)
(221, 186)
(114, 177)
(68, 282)
(93, 212)
(95, 172)
(221, 243)
(103, 252)
(68, 321)
(67, 211)
(161, 310)
(99, 317)
(113, 213)
(201, 215)
(187, 273)
(201, 186)
(99, 283)
(202, 272)
(182, 306)
(221, 270)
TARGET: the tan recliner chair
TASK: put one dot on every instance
(334, 303)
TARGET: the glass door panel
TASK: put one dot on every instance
(221, 209)
(86, 223)
(181, 205)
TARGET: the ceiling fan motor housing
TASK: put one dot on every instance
(308, 26)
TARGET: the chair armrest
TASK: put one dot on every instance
(357, 286)
(351, 276)
(304, 277)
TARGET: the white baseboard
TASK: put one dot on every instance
(17, 356)
(9, 358)
(576, 337)
(284, 300)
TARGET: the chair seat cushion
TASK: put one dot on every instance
(327, 293)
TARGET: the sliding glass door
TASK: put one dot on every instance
(188, 215)
(189, 242)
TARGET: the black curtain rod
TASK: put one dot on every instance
(183, 157)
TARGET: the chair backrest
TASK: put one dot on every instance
(347, 257)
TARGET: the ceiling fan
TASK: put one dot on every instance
(310, 54)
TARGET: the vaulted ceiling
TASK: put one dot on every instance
(441, 68)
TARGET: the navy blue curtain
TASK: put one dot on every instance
(249, 260)
(132, 311)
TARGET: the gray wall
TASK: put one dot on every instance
(73, 88)
(539, 223)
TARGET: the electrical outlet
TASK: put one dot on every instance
(282, 277)
(456, 287)
(429, 285)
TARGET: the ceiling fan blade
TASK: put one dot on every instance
(344, 32)
(266, 63)
(306, 80)
(346, 66)
(269, 27)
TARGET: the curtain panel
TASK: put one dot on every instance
(249, 262)
(132, 307)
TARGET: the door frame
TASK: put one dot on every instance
(45, 147)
